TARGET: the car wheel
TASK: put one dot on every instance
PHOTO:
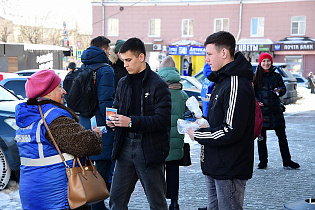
(5, 171)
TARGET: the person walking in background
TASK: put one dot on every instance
(170, 74)
(206, 89)
(227, 153)
(73, 73)
(117, 63)
(142, 126)
(97, 54)
(43, 173)
(310, 79)
(269, 87)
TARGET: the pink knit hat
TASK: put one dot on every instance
(41, 83)
(263, 56)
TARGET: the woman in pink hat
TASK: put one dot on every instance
(269, 87)
(43, 180)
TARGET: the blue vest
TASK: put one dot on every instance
(43, 180)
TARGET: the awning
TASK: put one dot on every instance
(295, 44)
(187, 42)
(254, 45)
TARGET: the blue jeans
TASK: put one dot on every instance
(130, 166)
(225, 194)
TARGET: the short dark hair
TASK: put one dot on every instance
(134, 45)
(222, 39)
(100, 41)
(72, 65)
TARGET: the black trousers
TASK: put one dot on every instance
(172, 179)
(283, 144)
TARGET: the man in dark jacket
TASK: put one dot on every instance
(142, 126)
(97, 54)
(227, 154)
(73, 73)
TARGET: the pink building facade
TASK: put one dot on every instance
(284, 28)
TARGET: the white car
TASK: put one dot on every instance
(62, 73)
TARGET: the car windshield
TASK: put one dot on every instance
(187, 84)
(6, 95)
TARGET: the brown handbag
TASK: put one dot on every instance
(85, 185)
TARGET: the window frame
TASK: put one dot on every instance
(155, 28)
(258, 27)
(299, 33)
(222, 24)
(188, 27)
(109, 24)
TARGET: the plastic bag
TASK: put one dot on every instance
(193, 106)
(183, 126)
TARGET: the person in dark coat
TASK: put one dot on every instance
(170, 74)
(73, 73)
(142, 127)
(94, 55)
(310, 79)
(269, 87)
(227, 153)
(117, 64)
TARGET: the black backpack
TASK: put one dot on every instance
(67, 82)
(82, 96)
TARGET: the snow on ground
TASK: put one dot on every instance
(10, 199)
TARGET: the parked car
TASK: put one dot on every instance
(4, 75)
(9, 153)
(192, 87)
(301, 81)
(16, 85)
(62, 73)
(289, 81)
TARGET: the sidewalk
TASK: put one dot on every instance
(268, 189)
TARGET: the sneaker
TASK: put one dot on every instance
(291, 164)
(262, 165)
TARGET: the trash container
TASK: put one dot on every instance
(308, 204)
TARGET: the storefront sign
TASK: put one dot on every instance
(253, 47)
(294, 47)
(187, 50)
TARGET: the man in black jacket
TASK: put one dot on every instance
(142, 126)
(227, 154)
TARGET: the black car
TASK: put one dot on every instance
(9, 154)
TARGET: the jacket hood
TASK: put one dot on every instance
(94, 55)
(25, 114)
(169, 74)
(239, 67)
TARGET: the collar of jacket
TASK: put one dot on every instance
(33, 101)
(147, 72)
(239, 67)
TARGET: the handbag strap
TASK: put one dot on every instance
(51, 136)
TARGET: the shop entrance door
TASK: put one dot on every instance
(186, 60)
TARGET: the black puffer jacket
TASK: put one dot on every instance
(228, 151)
(155, 120)
(272, 111)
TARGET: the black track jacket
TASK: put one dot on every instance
(155, 120)
(228, 144)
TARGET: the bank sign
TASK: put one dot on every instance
(293, 47)
(187, 50)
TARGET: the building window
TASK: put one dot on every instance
(221, 24)
(113, 27)
(155, 27)
(187, 28)
(257, 27)
(298, 24)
